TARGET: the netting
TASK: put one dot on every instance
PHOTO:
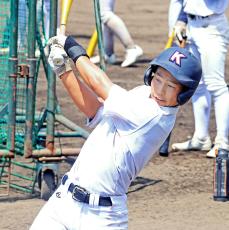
(4, 54)
(22, 49)
(21, 80)
(26, 177)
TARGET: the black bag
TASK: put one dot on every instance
(221, 176)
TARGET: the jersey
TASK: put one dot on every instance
(130, 128)
(205, 7)
(201, 8)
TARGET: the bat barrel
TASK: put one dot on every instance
(65, 9)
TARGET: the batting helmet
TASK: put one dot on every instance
(182, 65)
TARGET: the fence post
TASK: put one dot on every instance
(51, 100)
(13, 61)
(30, 94)
(100, 33)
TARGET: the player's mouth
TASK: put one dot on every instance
(159, 100)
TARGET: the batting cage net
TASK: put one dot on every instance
(10, 170)
(22, 63)
(4, 55)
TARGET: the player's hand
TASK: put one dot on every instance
(71, 47)
(58, 60)
(59, 40)
(180, 31)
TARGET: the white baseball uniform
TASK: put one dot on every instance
(208, 32)
(129, 128)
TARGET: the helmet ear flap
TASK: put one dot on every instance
(148, 76)
(184, 96)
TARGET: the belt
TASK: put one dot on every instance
(194, 17)
(82, 195)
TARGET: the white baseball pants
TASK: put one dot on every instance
(61, 212)
(210, 36)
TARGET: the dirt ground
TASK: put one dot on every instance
(170, 193)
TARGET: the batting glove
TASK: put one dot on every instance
(180, 31)
(58, 60)
(71, 47)
(59, 39)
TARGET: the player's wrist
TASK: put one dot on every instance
(74, 49)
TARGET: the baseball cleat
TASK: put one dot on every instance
(212, 152)
(108, 59)
(193, 144)
(217, 145)
(132, 55)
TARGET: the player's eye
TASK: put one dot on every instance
(157, 78)
(171, 86)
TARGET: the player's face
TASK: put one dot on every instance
(165, 88)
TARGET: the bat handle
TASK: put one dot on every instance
(164, 149)
(62, 29)
(184, 40)
(59, 59)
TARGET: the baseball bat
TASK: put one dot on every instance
(65, 9)
(92, 43)
(164, 149)
(170, 40)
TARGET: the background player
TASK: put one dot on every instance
(129, 126)
(113, 26)
(208, 33)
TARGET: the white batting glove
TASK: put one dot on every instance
(58, 60)
(180, 30)
(59, 39)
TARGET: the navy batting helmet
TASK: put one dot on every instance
(182, 65)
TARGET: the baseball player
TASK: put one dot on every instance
(113, 25)
(129, 127)
(208, 32)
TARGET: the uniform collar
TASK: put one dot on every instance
(169, 110)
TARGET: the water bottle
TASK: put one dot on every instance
(221, 176)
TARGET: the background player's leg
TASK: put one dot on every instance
(213, 67)
(119, 29)
(108, 41)
(201, 101)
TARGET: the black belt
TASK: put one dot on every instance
(194, 17)
(82, 195)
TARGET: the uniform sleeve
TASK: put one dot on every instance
(129, 109)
